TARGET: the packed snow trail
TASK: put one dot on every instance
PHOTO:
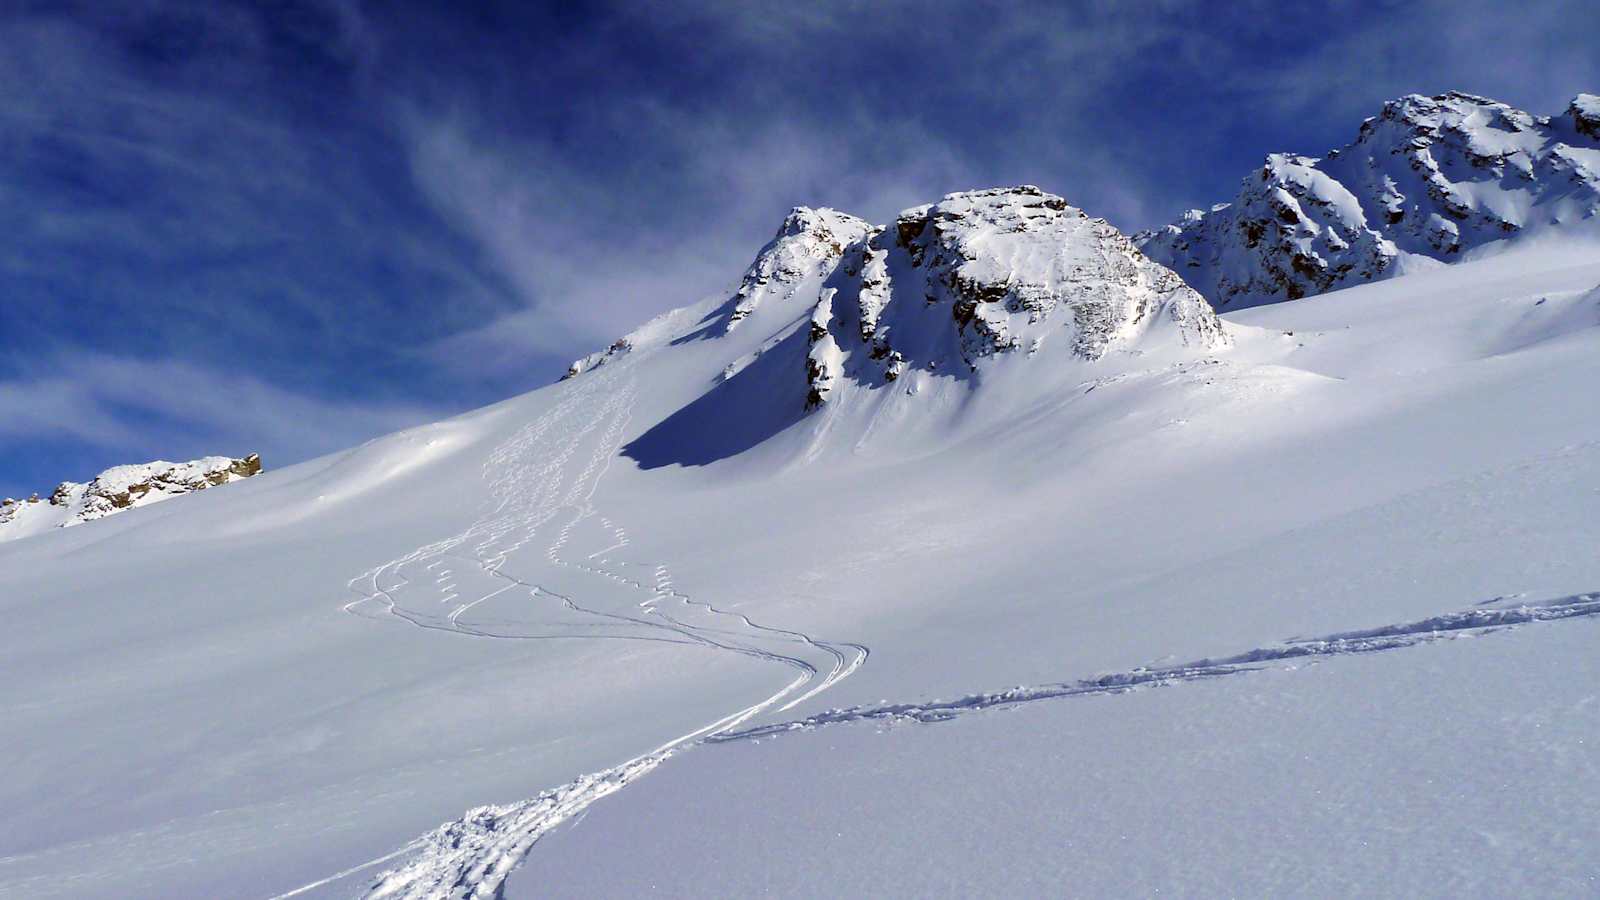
(1391, 637)
(536, 499)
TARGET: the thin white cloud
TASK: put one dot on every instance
(585, 267)
(175, 409)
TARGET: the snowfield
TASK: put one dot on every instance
(1307, 606)
(1446, 770)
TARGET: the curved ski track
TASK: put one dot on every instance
(1470, 623)
(537, 500)
(472, 856)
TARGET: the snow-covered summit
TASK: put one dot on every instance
(117, 489)
(944, 292)
(1429, 178)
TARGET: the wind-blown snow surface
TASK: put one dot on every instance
(291, 683)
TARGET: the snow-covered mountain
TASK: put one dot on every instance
(978, 275)
(907, 321)
(700, 599)
(1427, 180)
(117, 489)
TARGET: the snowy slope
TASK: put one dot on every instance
(117, 489)
(1446, 770)
(1428, 180)
(551, 605)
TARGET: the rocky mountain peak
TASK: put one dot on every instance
(945, 289)
(1428, 178)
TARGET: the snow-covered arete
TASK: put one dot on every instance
(1428, 179)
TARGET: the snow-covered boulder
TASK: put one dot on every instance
(1429, 177)
(120, 488)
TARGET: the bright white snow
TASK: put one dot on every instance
(551, 602)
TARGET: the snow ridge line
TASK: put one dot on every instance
(1390, 637)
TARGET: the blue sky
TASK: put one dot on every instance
(291, 226)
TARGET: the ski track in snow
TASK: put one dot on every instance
(472, 856)
(427, 588)
(1392, 637)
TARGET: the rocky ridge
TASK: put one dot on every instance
(120, 488)
(1429, 178)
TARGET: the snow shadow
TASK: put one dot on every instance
(761, 400)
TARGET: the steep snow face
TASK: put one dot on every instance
(1427, 179)
(807, 247)
(117, 489)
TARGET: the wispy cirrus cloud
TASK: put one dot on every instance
(591, 256)
(357, 211)
(140, 409)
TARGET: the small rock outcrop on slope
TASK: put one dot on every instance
(120, 488)
(1428, 177)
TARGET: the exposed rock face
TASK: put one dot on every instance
(120, 488)
(1428, 177)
